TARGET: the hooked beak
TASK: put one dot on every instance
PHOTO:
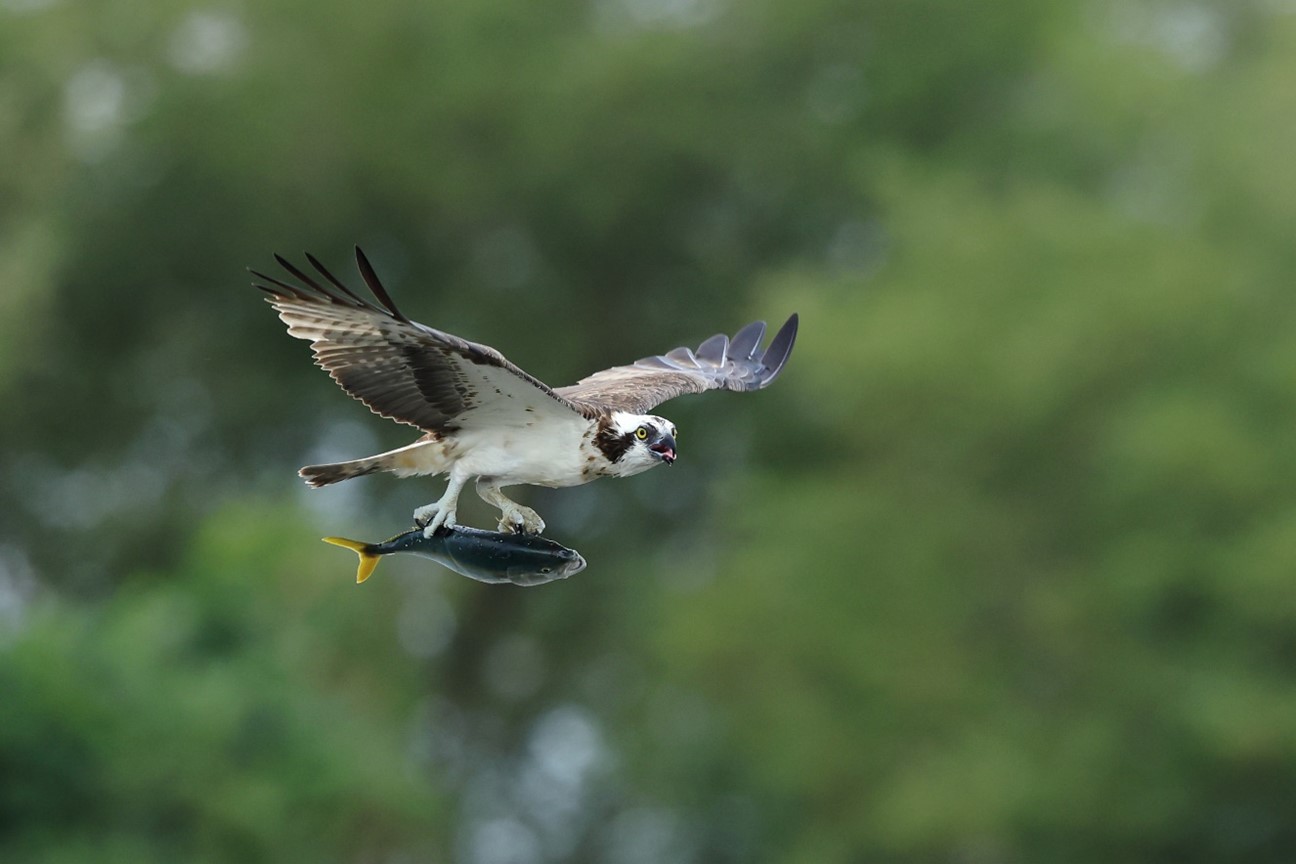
(665, 449)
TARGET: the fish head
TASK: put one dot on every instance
(546, 566)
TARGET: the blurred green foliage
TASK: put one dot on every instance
(1001, 569)
(196, 719)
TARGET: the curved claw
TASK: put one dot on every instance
(524, 520)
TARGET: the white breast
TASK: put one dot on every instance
(553, 452)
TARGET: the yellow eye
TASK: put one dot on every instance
(642, 433)
(674, 434)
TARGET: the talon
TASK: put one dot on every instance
(431, 519)
(430, 529)
(425, 515)
(522, 523)
(514, 518)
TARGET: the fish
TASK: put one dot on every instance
(487, 556)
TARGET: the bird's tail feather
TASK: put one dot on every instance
(336, 472)
(425, 456)
(368, 560)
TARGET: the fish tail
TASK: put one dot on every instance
(368, 560)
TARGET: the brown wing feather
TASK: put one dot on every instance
(718, 363)
(401, 369)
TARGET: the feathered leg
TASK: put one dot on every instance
(514, 518)
(442, 511)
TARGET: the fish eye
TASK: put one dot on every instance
(674, 434)
(642, 433)
(545, 569)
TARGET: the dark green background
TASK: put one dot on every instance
(1000, 570)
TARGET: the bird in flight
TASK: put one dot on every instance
(484, 418)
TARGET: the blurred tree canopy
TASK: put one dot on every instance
(1001, 569)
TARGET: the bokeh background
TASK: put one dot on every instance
(1001, 570)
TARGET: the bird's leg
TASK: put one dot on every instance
(442, 511)
(514, 518)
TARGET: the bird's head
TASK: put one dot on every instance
(637, 442)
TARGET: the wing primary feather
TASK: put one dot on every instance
(780, 348)
(746, 340)
(371, 280)
(336, 282)
(714, 350)
(281, 287)
(682, 357)
(656, 363)
(288, 265)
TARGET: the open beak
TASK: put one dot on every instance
(665, 449)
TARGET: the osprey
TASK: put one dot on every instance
(486, 419)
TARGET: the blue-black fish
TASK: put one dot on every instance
(487, 556)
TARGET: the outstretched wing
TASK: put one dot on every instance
(719, 363)
(399, 368)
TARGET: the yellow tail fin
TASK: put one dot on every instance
(368, 561)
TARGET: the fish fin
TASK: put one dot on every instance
(368, 560)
